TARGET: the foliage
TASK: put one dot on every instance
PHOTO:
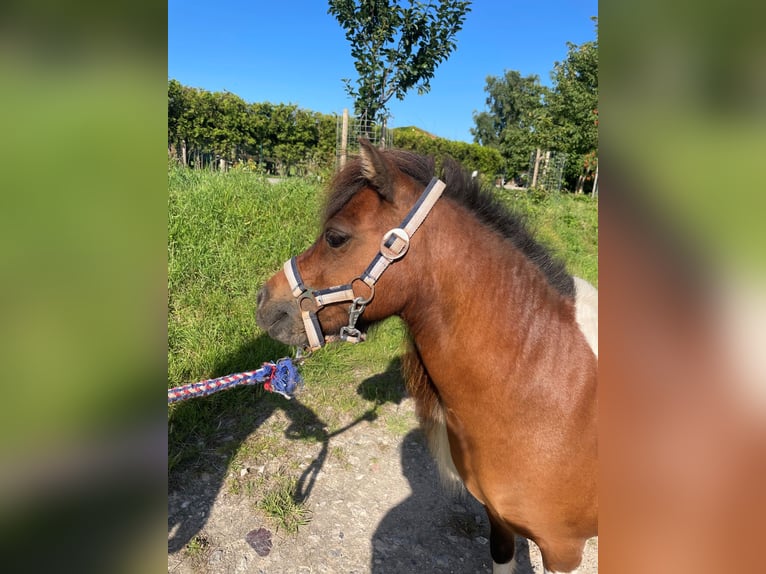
(396, 48)
(516, 120)
(574, 102)
(523, 115)
(486, 160)
(281, 138)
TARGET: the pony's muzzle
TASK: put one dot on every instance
(280, 318)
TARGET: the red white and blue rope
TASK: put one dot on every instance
(281, 377)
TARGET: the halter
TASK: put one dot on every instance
(393, 246)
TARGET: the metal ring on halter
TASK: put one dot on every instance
(307, 297)
(401, 241)
(362, 300)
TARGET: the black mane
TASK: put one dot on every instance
(466, 191)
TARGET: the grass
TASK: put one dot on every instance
(567, 224)
(280, 504)
(340, 456)
(227, 234)
(197, 548)
(399, 423)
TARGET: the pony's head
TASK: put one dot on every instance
(367, 204)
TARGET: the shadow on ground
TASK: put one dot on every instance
(205, 435)
(433, 530)
(429, 531)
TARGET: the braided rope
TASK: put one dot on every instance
(281, 377)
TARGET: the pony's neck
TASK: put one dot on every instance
(469, 281)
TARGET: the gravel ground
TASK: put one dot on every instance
(376, 506)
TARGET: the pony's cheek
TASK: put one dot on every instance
(332, 318)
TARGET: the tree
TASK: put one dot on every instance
(523, 116)
(573, 105)
(176, 106)
(516, 121)
(206, 126)
(396, 48)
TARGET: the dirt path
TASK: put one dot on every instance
(376, 506)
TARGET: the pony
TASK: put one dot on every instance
(503, 341)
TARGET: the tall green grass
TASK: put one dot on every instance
(228, 233)
(567, 224)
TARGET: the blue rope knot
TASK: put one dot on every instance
(284, 378)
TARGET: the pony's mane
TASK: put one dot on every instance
(466, 191)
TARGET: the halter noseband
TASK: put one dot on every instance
(393, 246)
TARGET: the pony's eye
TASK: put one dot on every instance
(334, 238)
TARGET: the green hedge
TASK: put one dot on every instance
(487, 161)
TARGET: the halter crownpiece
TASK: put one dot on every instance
(393, 246)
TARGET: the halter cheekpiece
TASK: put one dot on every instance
(393, 246)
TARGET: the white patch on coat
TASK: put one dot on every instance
(438, 444)
(586, 311)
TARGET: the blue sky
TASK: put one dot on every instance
(294, 52)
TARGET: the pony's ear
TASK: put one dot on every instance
(377, 169)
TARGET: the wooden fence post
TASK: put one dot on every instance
(594, 192)
(383, 133)
(344, 138)
(537, 168)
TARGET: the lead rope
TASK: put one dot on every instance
(281, 377)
